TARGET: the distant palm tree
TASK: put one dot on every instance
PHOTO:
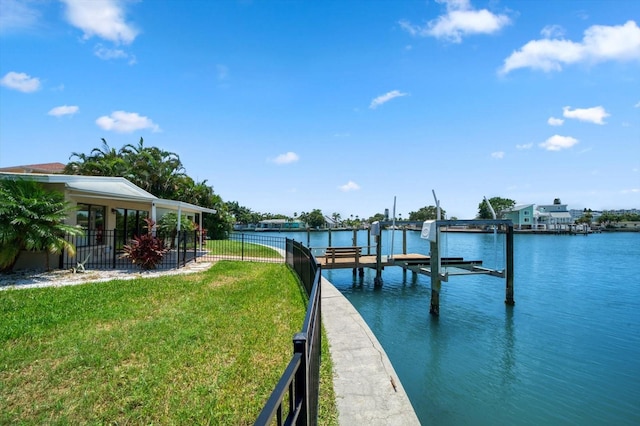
(32, 219)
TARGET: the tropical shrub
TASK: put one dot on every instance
(32, 218)
(146, 251)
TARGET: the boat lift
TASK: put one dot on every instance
(440, 269)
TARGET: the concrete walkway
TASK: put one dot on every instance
(368, 391)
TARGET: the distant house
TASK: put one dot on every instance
(522, 216)
(106, 203)
(330, 222)
(280, 225)
(553, 216)
(46, 168)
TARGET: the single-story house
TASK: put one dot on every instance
(280, 224)
(107, 203)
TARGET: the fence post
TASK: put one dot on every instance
(113, 252)
(195, 245)
(301, 388)
(184, 248)
(242, 253)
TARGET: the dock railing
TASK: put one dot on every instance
(294, 401)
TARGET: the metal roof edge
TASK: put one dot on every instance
(161, 202)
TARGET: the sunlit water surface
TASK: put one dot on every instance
(568, 352)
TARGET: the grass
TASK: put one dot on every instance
(240, 248)
(204, 348)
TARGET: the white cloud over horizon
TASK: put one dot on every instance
(126, 122)
(349, 186)
(101, 18)
(594, 115)
(20, 81)
(382, 99)
(286, 158)
(63, 110)
(600, 43)
(460, 20)
(558, 143)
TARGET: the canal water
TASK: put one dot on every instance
(568, 352)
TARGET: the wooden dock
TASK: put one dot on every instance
(438, 268)
(349, 258)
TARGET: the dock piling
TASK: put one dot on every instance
(436, 284)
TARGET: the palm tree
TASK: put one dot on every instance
(32, 218)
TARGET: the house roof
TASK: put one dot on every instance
(115, 188)
(518, 208)
(35, 168)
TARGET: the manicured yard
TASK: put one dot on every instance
(204, 348)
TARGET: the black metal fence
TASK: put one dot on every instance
(294, 401)
(241, 246)
(104, 249)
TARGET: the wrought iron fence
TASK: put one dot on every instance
(294, 401)
(104, 249)
(241, 246)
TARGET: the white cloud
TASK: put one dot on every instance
(286, 158)
(349, 186)
(630, 191)
(497, 155)
(126, 122)
(385, 98)
(525, 146)
(460, 20)
(101, 18)
(552, 31)
(107, 53)
(600, 43)
(552, 121)
(17, 15)
(20, 81)
(63, 110)
(593, 115)
(637, 105)
(557, 143)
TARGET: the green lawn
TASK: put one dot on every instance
(204, 348)
(239, 248)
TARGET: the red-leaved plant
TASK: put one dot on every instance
(147, 250)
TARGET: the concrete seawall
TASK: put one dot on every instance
(368, 391)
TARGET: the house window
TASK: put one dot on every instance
(91, 219)
(130, 223)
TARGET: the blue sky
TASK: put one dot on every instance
(290, 106)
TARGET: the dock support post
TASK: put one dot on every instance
(509, 287)
(378, 279)
(355, 237)
(404, 240)
(435, 280)
(329, 229)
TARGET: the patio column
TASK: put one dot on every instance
(153, 217)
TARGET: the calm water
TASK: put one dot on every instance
(568, 353)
